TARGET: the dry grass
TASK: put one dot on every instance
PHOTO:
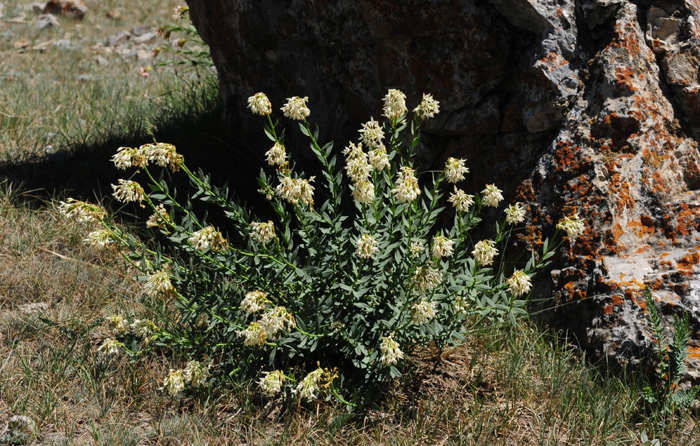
(506, 386)
(65, 85)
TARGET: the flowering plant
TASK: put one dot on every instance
(326, 299)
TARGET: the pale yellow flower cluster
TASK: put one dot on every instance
(390, 349)
(159, 219)
(573, 226)
(174, 383)
(254, 335)
(461, 200)
(363, 192)
(519, 283)
(158, 284)
(128, 157)
(269, 327)
(295, 190)
(492, 195)
(372, 134)
(406, 185)
(277, 155)
(455, 170)
(254, 301)
(515, 213)
(143, 328)
(128, 191)
(394, 104)
(259, 104)
(422, 312)
(100, 238)
(442, 247)
(118, 324)
(428, 107)
(195, 373)
(262, 232)
(358, 170)
(378, 158)
(110, 347)
(425, 278)
(484, 252)
(161, 154)
(276, 321)
(366, 246)
(180, 12)
(313, 383)
(207, 238)
(416, 248)
(271, 382)
(296, 109)
(82, 211)
(357, 164)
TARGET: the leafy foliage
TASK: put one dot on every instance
(327, 300)
(669, 362)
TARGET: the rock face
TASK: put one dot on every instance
(590, 106)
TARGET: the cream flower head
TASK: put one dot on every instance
(573, 226)
(515, 213)
(455, 170)
(296, 109)
(461, 200)
(492, 195)
(259, 104)
(484, 252)
(428, 107)
(366, 246)
(394, 104)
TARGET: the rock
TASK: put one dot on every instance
(21, 44)
(101, 60)
(142, 30)
(20, 424)
(118, 38)
(114, 14)
(46, 21)
(36, 307)
(73, 9)
(144, 38)
(589, 107)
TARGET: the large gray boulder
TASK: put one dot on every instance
(590, 106)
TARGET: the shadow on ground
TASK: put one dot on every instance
(87, 173)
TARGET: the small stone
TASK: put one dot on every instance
(118, 38)
(21, 44)
(42, 46)
(73, 9)
(46, 21)
(101, 60)
(145, 38)
(34, 307)
(143, 54)
(85, 78)
(114, 14)
(141, 30)
(22, 424)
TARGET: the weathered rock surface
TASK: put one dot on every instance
(590, 106)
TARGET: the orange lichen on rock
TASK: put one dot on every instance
(656, 284)
(624, 76)
(693, 352)
(689, 261)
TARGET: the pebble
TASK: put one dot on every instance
(46, 21)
